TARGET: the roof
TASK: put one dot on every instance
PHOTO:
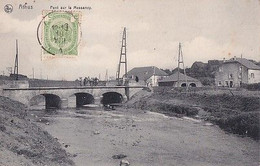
(143, 73)
(244, 62)
(174, 77)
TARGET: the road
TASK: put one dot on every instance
(147, 139)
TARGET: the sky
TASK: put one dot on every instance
(207, 30)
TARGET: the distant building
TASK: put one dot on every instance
(20, 77)
(237, 71)
(172, 80)
(146, 75)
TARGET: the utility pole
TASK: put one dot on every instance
(106, 76)
(41, 73)
(122, 59)
(153, 75)
(33, 72)
(16, 62)
(181, 61)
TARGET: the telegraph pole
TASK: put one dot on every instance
(181, 61)
(33, 72)
(122, 59)
(16, 62)
(106, 76)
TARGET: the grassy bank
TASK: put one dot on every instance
(24, 143)
(233, 113)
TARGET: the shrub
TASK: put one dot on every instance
(253, 87)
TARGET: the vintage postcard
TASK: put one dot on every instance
(129, 82)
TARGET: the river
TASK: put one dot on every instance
(93, 136)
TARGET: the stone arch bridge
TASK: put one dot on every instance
(59, 97)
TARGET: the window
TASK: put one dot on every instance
(219, 83)
(226, 83)
(240, 75)
(192, 85)
(240, 69)
(252, 75)
(231, 84)
(230, 76)
(183, 85)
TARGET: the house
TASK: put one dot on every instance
(172, 80)
(146, 75)
(237, 71)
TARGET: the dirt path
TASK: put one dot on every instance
(148, 139)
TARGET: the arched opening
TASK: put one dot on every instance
(183, 85)
(52, 101)
(84, 99)
(111, 98)
(37, 102)
(193, 85)
(45, 101)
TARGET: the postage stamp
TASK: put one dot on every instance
(60, 34)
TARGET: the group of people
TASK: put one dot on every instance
(88, 81)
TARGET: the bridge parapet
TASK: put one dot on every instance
(25, 94)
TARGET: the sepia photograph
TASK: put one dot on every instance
(129, 83)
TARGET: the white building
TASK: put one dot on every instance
(146, 75)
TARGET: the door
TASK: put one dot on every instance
(231, 84)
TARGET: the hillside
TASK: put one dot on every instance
(24, 143)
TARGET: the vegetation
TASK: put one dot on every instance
(255, 86)
(233, 113)
(205, 72)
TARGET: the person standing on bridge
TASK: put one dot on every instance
(80, 81)
(85, 81)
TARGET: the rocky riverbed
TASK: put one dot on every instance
(99, 137)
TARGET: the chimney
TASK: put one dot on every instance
(235, 58)
(224, 60)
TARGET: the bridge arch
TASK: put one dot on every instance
(83, 98)
(111, 97)
(37, 102)
(50, 100)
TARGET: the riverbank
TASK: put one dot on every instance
(23, 143)
(236, 112)
(99, 137)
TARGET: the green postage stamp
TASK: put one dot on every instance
(60, 34)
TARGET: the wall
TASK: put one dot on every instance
(153, 80)
(14, 84)
(52, 83)
(198, 83)
(255, 78)
(238, 75)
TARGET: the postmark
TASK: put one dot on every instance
(8, 8)
(60, 34)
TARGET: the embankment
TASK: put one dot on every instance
(24, 143)
(238, 114)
